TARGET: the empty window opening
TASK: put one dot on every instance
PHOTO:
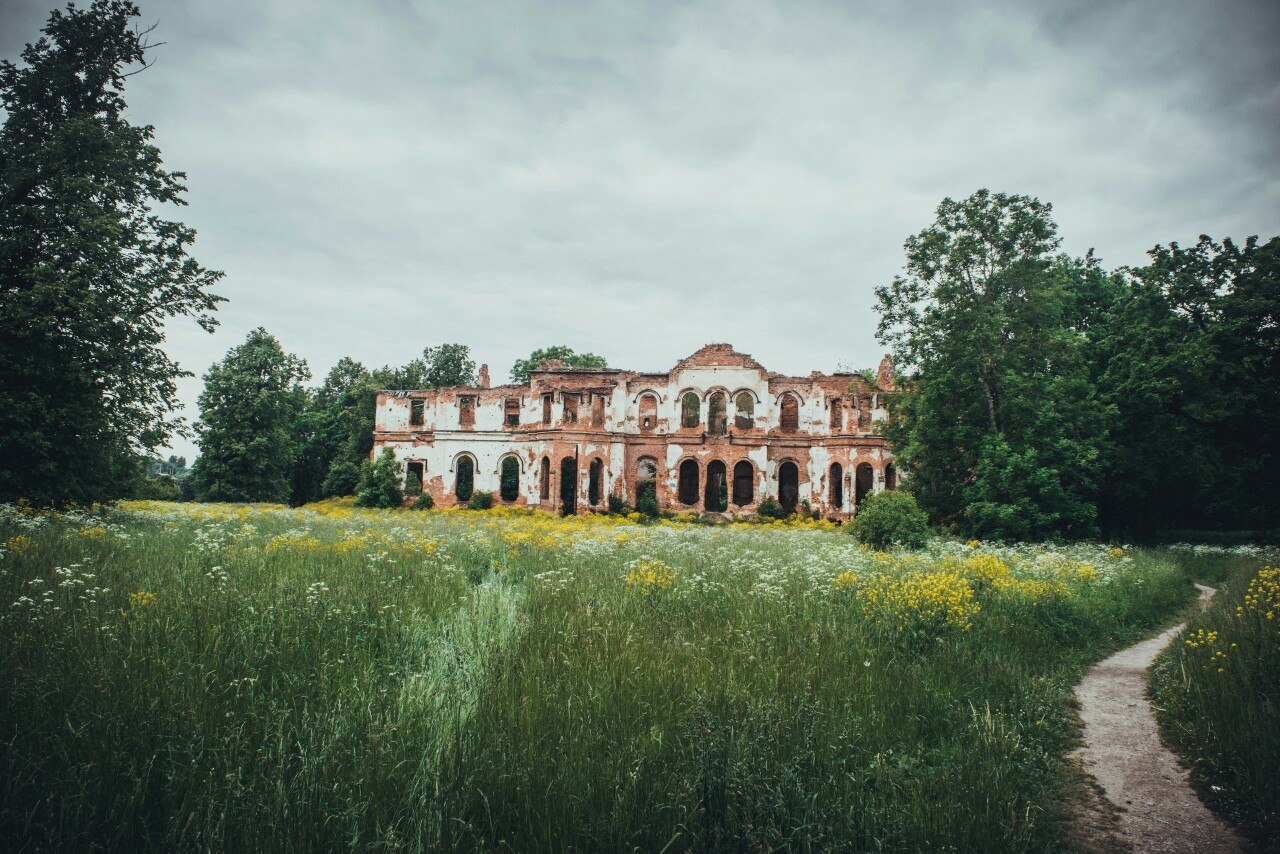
(570, 408)
(689, 414)
(864, 413)
(790, 418)
(546, 409)
(890, 477)
(415, 474)
(568, 486)
(835, 487)
(862, 480)
(466, 411)
(837, 414)
(511, 412)
(648, 412)
(789, 486)
(716, 497)
(544, 479)
(509, 483)
(688, 488)
(717, 414)
(464, 481)
(745, 416)
(416, 408)
(597, 410)
(744, 483)
(646, 479)
(595, 478)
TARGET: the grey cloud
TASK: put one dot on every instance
(639, 179)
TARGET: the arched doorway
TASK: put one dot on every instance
(863, 478)
(595, 477)
(687, 491)
(544, 479)
(835, 487)
(890, 477)
(789, 486)
(568, 486)
(509, 479)
(647, 481)
(744, 483)
(716, 497)
(464, 481)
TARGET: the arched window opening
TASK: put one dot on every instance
(509, 485)
(744, 417)
(790, 418)
(717, 414)
(862, 480)
(648, 412)
(568, 486)
(835, 487)
(646, 481)
(595, 477)
(890, 477)
(716, 497)
(464, 481)
(688, 488)
(544, 479)
(789, 486)
(689, 415)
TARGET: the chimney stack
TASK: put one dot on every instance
(484, 376)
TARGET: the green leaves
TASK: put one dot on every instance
(89, 273)
(521, 370)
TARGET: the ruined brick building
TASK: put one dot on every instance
(717, 433)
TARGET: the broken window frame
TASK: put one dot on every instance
(417, 412)
(690, 410)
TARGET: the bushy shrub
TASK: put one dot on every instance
(890, 518)
(424, 502)
(412, 484)
(618, 505)
(342, 479)
(480, 500)
(647, 504)
(380, 482)
(769, 508)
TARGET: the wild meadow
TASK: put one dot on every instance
(1217, 692)
(248, 677)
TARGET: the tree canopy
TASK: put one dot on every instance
(521, 370)
(248, 412)
(89, 271)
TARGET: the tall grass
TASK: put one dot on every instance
(1217, 694)
(250, 678)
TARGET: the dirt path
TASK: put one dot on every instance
(1122, 750)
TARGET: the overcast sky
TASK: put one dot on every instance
(638, 179)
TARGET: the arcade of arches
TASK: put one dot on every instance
(718, 433)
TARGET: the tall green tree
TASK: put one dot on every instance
(248, 410)
(1187, 361)
(90, 269)
(523, 367)
(448, 365)
(998, 425)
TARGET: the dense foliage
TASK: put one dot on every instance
(1044, 396)
(89, 270)
(1217, 692)
(379, 484)
(887, 519)
(248, 410)
(523, 367)
(256, 678)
